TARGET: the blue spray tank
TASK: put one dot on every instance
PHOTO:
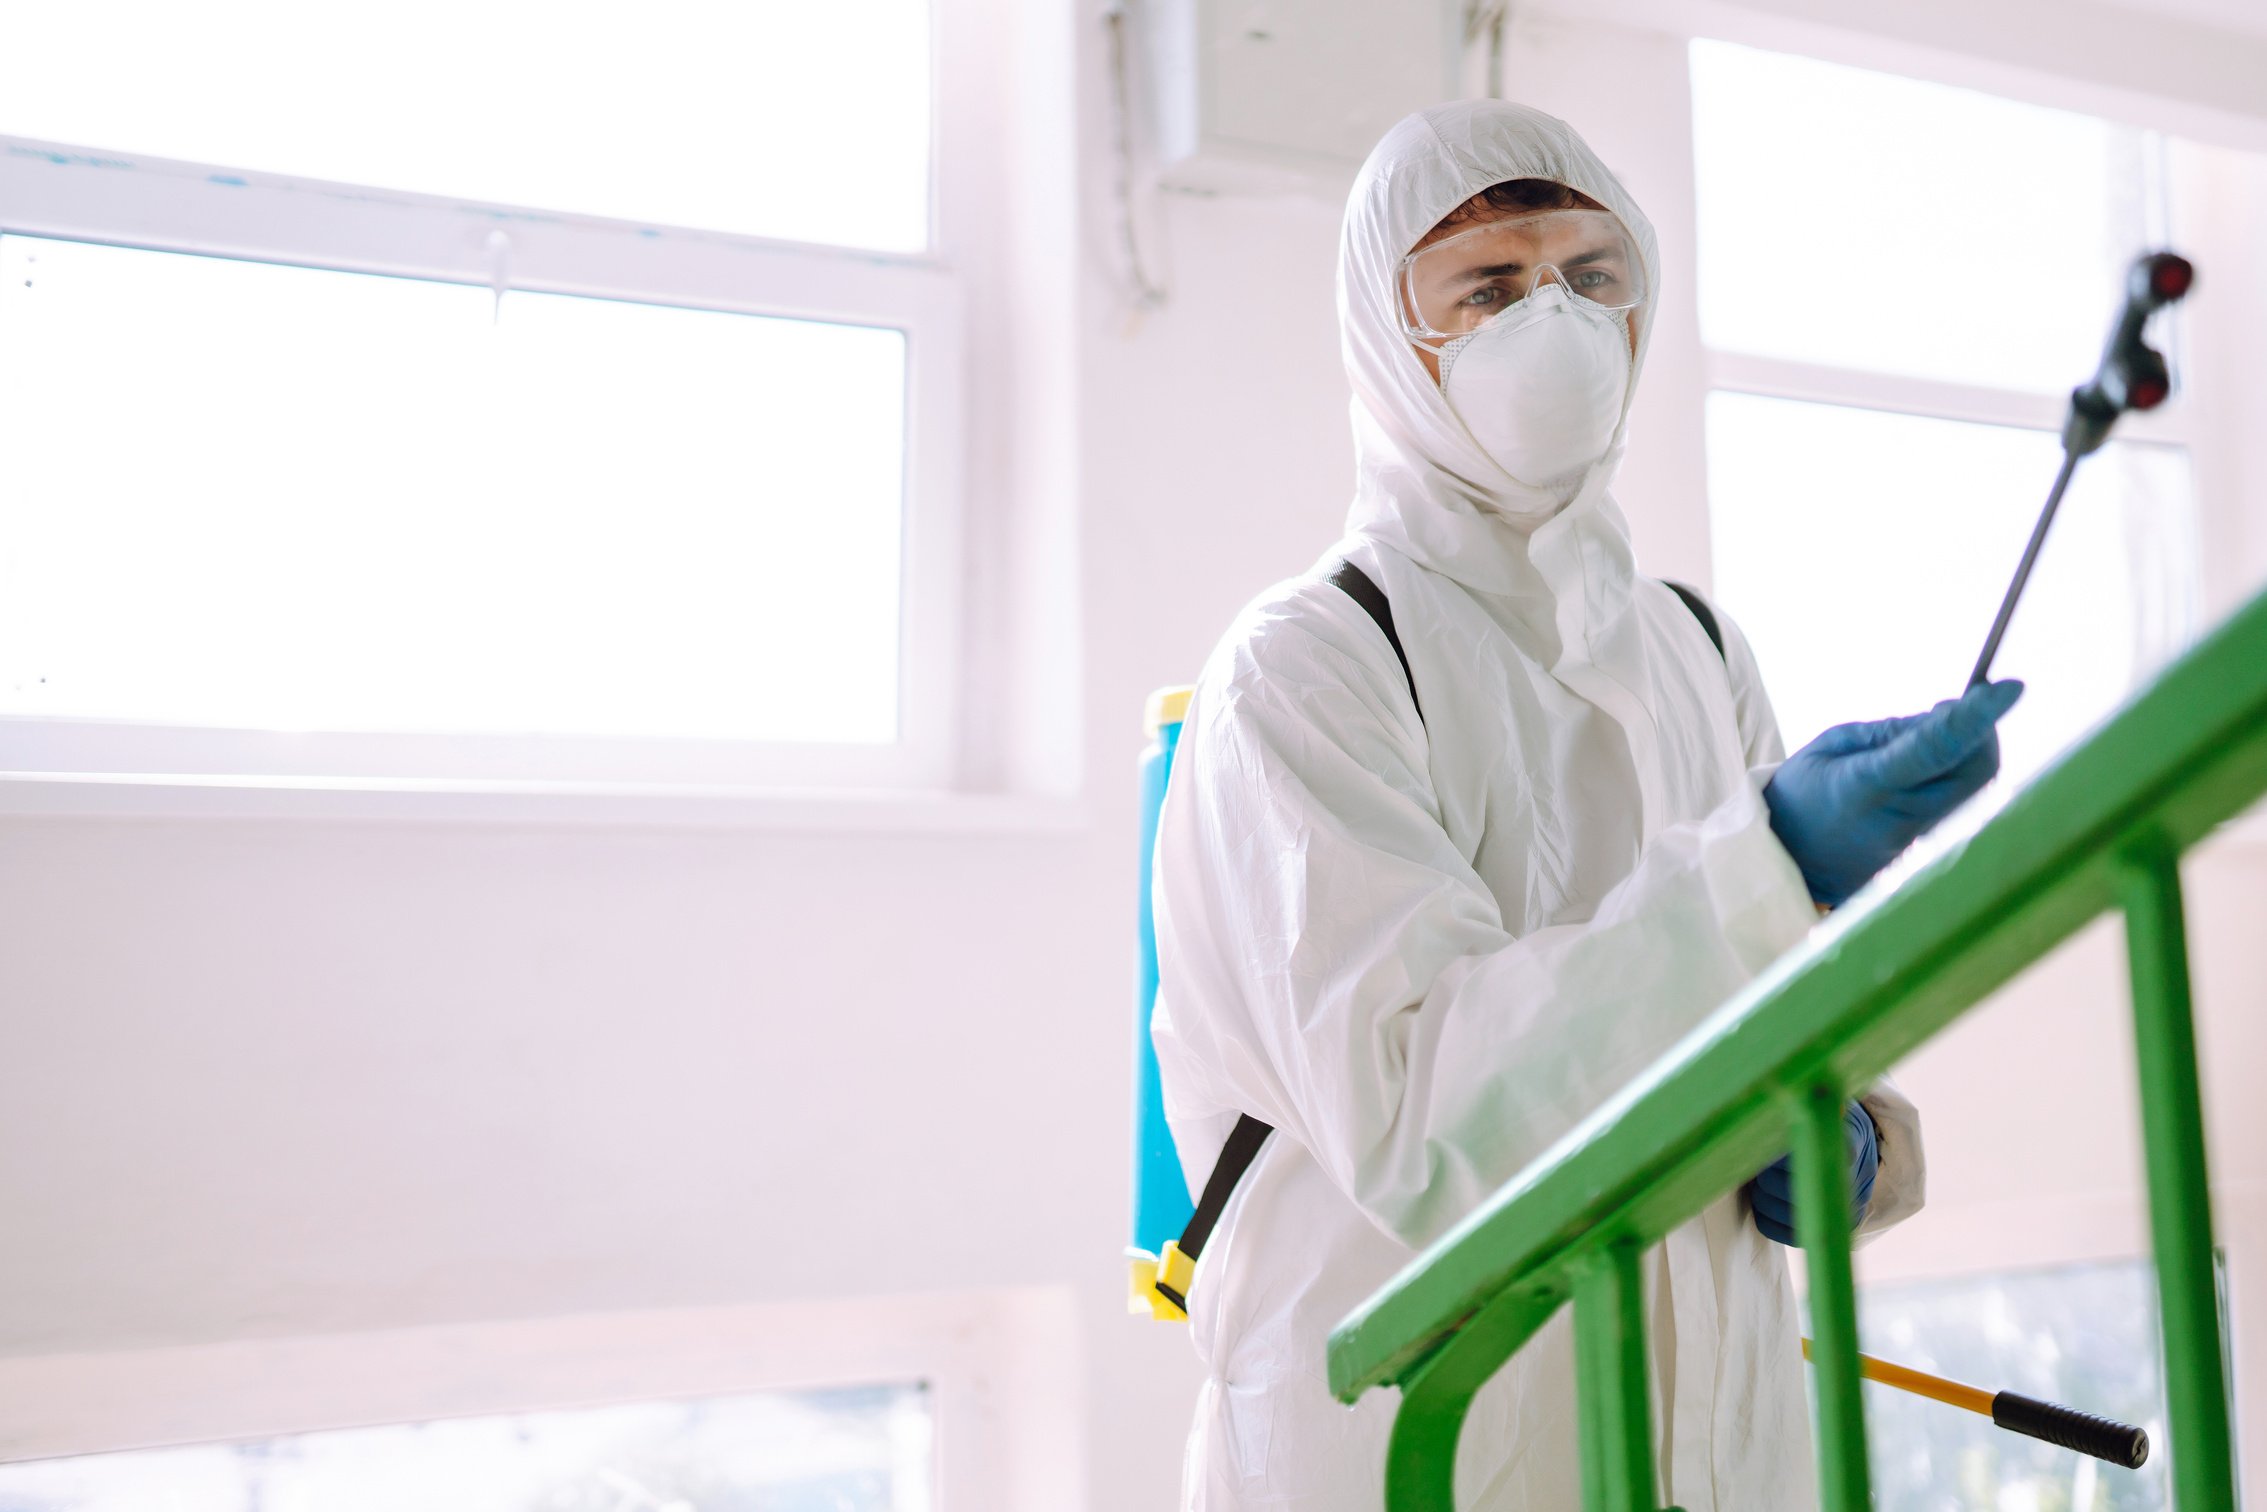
(1162, 1206)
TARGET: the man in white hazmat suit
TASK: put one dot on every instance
(1422, 921)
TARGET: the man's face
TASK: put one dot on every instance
(1488, 257)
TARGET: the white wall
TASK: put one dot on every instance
(273, 1078)
(270, 1078)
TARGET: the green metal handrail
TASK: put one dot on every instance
(2103, 828)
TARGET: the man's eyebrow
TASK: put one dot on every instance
(1493, 270)
(1501, 270)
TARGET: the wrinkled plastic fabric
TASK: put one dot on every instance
(1423, 949)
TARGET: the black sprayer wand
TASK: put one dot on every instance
(2132, 376)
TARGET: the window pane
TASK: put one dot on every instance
(1865, 553)
(858, 1450)
(809, 122)
(266, 497)
(1863, 220)
(2085, 1337)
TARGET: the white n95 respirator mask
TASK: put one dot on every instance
(1541, 385)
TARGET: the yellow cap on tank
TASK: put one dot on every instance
(1166, 706)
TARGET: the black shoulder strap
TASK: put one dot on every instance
(1236, 1157)
(1356, 585)
(1244, 1141)
(1702, 613)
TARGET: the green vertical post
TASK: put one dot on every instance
(2180, 1195)
(1823, 1205)
(1592, 1404)
(1611, 1384)
(1420, 1457)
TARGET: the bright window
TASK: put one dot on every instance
(548, 403)
(358, 503)
(851, 1450)
(1871, 595)
(2083, 1337)
(1897, 299)
(1907, 227)
(804, 122)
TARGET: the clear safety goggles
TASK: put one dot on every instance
(1456, 285)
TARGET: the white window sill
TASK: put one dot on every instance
(403, 801)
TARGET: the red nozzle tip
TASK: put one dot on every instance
(2147, 395)
(2171, 276)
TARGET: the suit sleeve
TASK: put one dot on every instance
(1901, 1184)
(1334, 966)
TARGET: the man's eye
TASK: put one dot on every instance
(1592, 278)
(1486, 298)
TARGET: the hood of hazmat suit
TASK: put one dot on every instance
(1424, 946)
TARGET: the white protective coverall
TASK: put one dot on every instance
(1423, 950)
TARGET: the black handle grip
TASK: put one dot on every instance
(2119, 1443)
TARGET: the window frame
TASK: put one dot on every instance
(68, 192)
(1733, 371)
(2193, 345)
(1000, 1365)
(1928, 398)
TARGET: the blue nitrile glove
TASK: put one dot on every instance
(1846, 804)
(1773, 1192)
